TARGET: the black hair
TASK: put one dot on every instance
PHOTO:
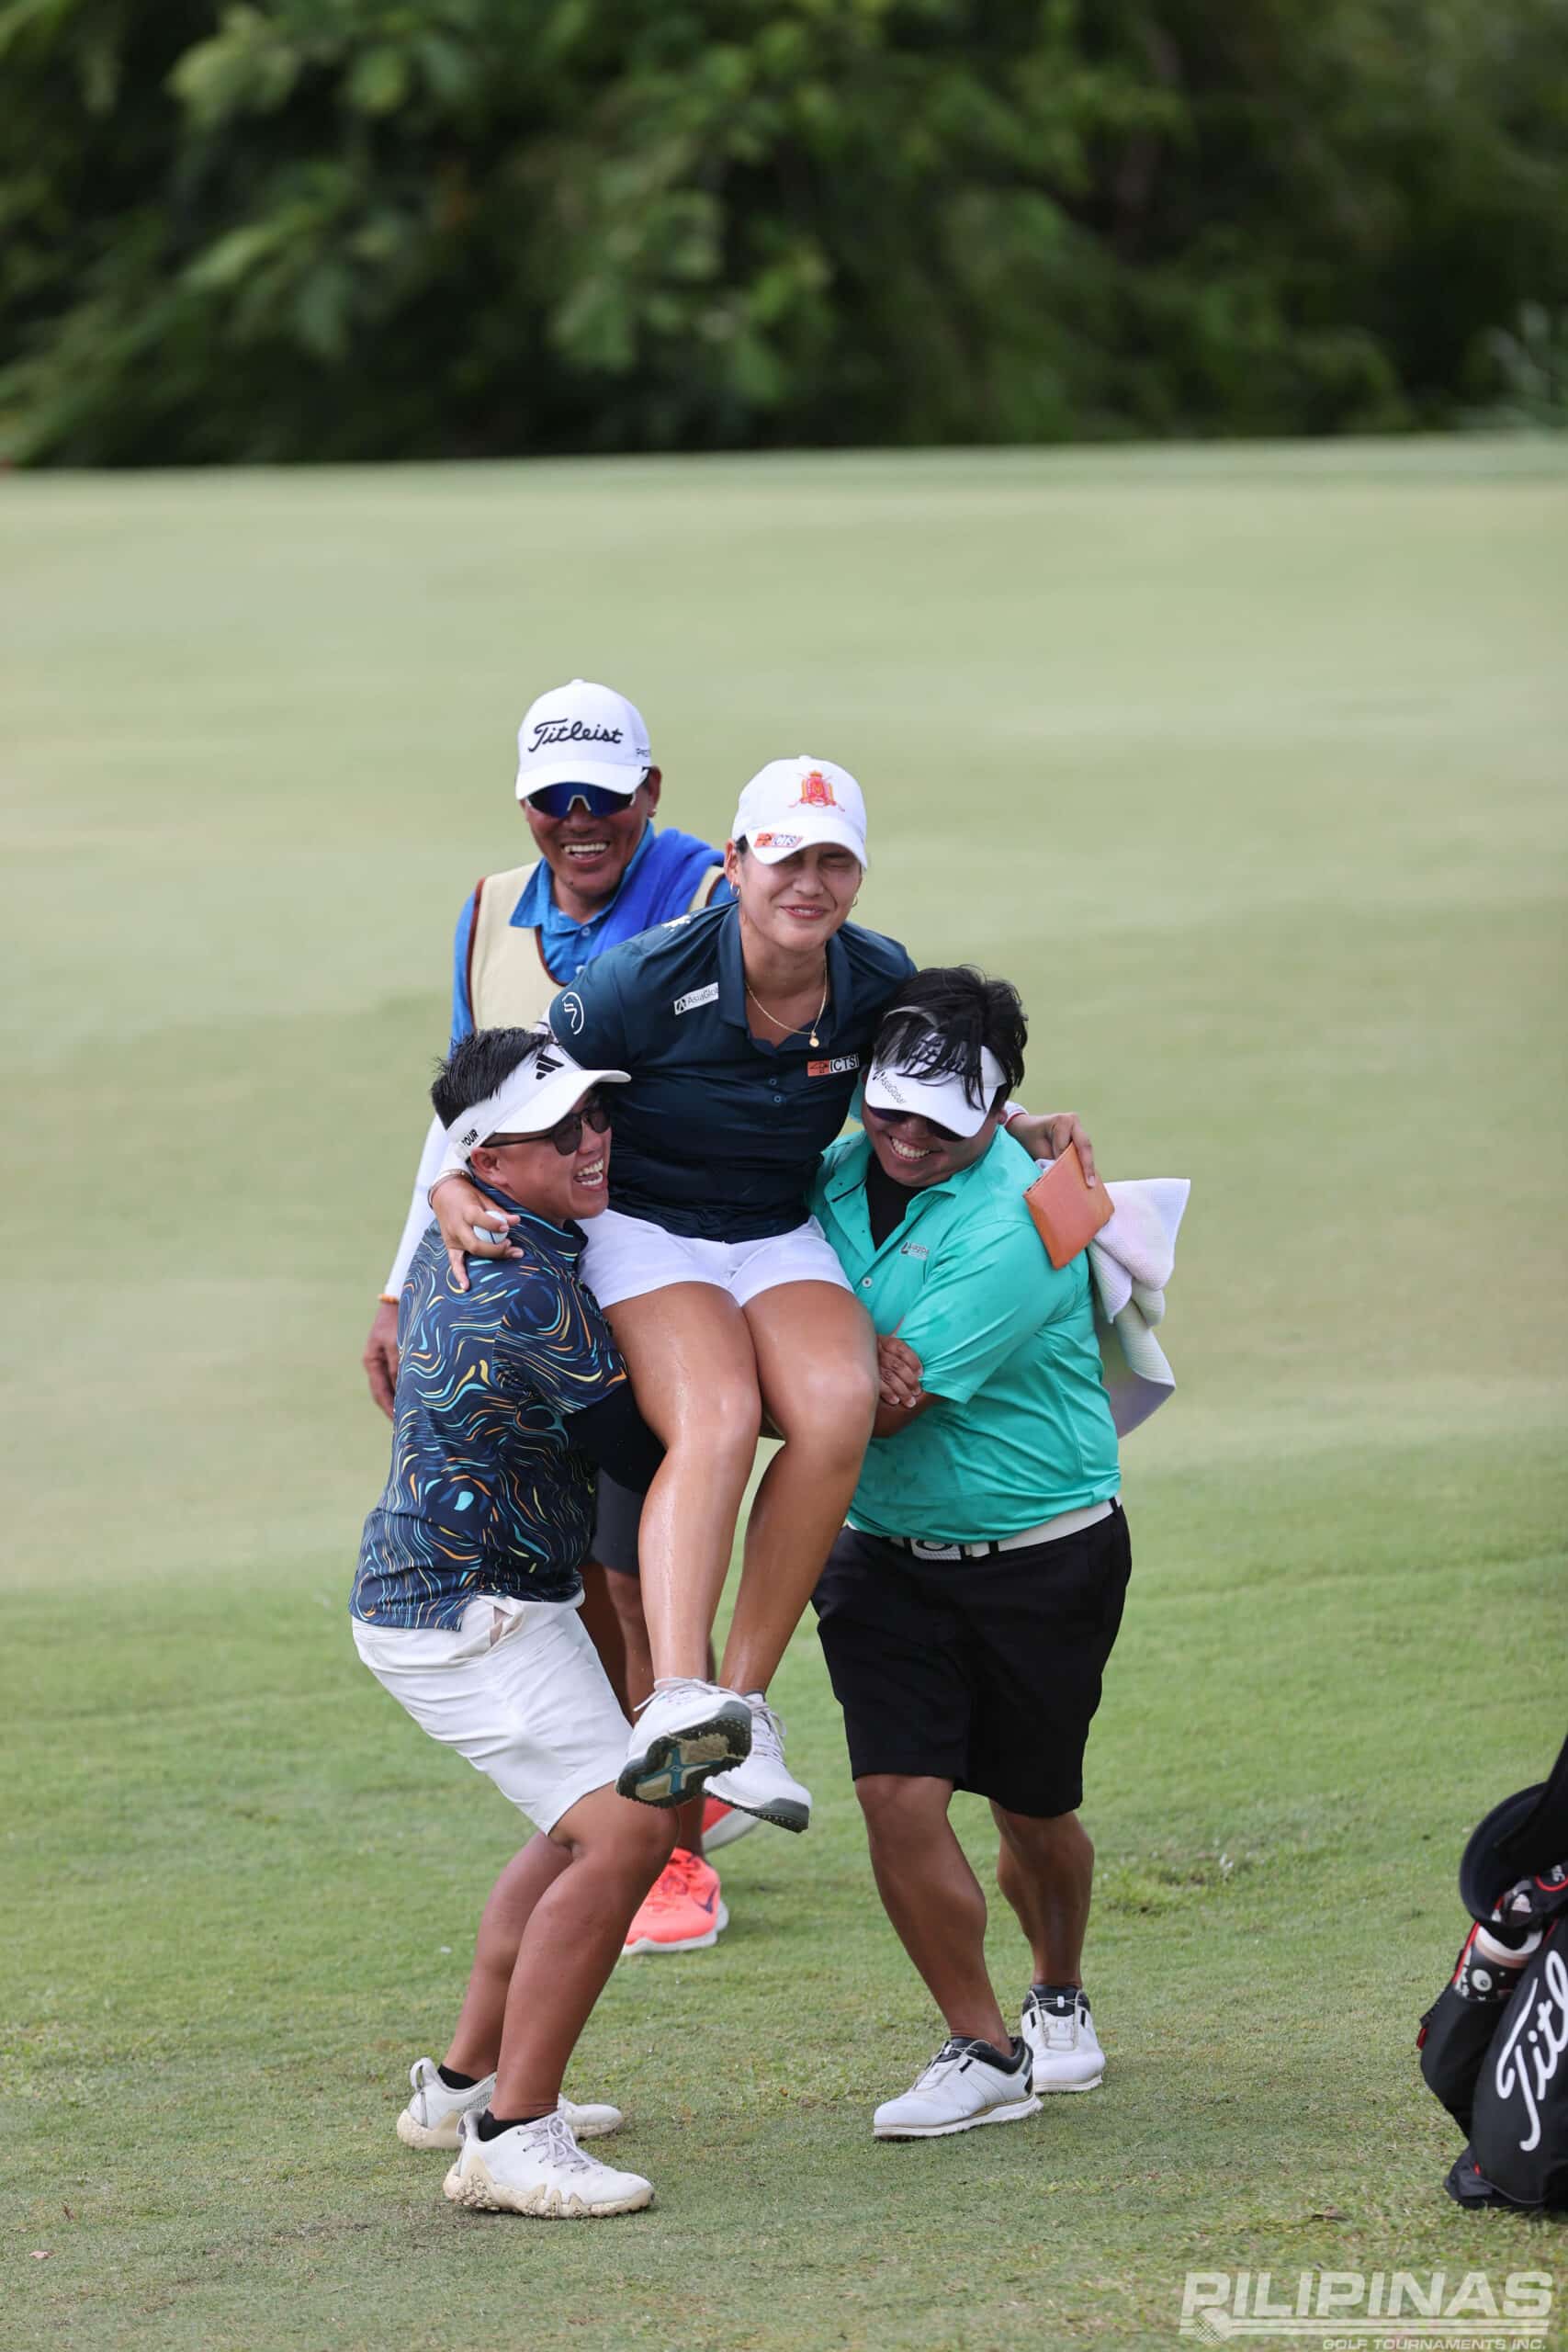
(944, 1018)
(479, 1065)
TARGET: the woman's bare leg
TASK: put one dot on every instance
(691, 1358)
(816, 1357)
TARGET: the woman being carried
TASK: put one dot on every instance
(744, 1029)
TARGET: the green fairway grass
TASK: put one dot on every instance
(1248, 767)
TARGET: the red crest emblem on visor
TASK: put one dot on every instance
(816, 791)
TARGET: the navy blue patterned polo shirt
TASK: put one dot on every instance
(486, 1492)
(718, 1134)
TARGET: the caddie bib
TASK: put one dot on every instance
(510, 985)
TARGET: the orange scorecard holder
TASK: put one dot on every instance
(1067, 1213)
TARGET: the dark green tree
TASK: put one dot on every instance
(320, 229)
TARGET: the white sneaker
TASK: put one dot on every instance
(1067, 2055)
(687, 1731)
(763, 1785)
(538, 2168)
(961, 2087)
(430, 2118)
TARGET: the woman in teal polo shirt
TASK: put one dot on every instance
(967, 1610)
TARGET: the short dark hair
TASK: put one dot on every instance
(943, 1019)
(477, 1065)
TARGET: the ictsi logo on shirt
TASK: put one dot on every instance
(832, 1068)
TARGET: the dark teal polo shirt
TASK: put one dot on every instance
(1005, 1340)
(718, 1135)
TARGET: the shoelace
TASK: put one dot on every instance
(959, 2051)
(1061, 2026)
(668, 1889)
(671, 1686)
(951, 2053)
(562, 2148)
(767, 1729)
(681, 1881)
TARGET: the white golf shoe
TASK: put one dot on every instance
(686, 1730)
(1061, 2036)
(963, 2085)
(764, 1785)
(538, 2168)
(430, 2117)
(722, 1824)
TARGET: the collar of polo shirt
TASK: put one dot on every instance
(732, 981)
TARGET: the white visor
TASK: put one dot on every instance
(944, 1099)
(537, 1095)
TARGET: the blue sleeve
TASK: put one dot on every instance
(462, 1010)
(555, 1345)
(589, 1018)
(981, 1302)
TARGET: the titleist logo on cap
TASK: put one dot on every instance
(571, 730)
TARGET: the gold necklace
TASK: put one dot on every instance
(799, 1025)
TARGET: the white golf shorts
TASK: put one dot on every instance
(629, 1256)
(517, 1688)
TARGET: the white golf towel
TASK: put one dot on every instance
(1131, 1260)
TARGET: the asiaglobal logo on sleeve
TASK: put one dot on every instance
(1370, 2310)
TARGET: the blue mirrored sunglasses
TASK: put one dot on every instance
(560, 799)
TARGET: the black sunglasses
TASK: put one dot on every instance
(560, 799)
(567, 1133)
(896, 1119)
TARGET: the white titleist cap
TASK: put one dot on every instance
(792, 803)
(898, 1086)
(582, 734)
(539, 1092)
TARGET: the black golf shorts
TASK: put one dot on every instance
(985, 1672)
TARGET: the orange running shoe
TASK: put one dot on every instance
(683, 1911)
(723, 1824)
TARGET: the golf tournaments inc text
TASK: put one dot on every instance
(1382, 2309)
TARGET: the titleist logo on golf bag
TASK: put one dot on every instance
(1544, 2027)
(571, 730)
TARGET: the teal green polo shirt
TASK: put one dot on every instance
(1006, 1341)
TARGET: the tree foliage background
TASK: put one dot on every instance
(342, 229)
